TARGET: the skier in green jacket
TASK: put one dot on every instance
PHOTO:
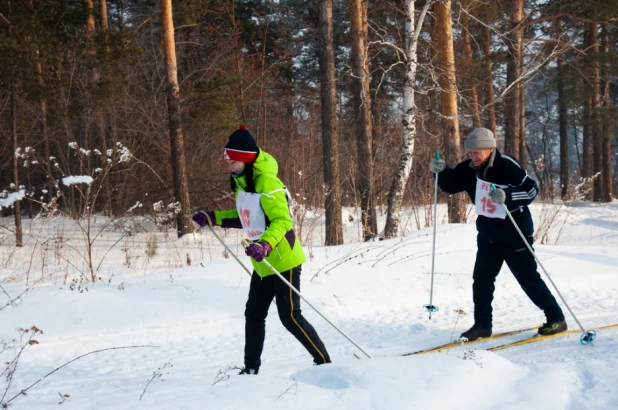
(262, 212)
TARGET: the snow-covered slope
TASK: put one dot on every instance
(181, 329)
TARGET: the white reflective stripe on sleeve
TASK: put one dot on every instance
(269, 196)
(524, 195)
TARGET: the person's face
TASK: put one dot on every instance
(478, 156)
(235, 166)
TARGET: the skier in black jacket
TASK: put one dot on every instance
(498, 240)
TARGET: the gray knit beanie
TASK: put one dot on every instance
(480, 138)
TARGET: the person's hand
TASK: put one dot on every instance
(259, 250)
(437, 165)
(498, 196)
(202, 219)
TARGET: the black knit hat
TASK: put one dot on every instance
(241, 146)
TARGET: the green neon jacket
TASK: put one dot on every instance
(287, 251)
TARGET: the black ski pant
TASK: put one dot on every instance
(489, 259)
(261, 293)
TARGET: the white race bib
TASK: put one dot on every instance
(483, 203)
(251, 214)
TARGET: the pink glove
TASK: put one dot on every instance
(259, 250)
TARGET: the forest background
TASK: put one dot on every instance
(353, 98)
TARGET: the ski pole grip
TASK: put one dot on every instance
(437, 154)
(493, 187)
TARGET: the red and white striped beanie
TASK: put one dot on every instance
(241, 146)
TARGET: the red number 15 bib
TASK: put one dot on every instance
(483, 203)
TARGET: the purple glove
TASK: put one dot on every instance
(203, 218)
(259, 250)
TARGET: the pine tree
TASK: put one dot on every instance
(330, 135)
(181, 188)
(362, 108)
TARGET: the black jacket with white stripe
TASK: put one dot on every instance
(520, 192)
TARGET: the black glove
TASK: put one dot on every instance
(202, 219)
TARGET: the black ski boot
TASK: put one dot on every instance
(246, 370)
(551, 328)
(476, 332)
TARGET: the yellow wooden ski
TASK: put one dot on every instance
(459, 343)
(538, 338)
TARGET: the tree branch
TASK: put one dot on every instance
(23, 391)
(419, 23)
(139, 26)
(558, 41)
(5, 19)
(555, 16)
(185, 26)
(399, 50)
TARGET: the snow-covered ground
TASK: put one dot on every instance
(166, 317)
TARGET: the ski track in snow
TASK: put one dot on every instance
(191, 319)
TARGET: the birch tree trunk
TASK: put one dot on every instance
(408, 120)
(330, 134)
(179, 167)
(448, 98)
(362, 109)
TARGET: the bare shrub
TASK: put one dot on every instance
(152, 243)
(552, 214)
(25, 340)
(157, 375)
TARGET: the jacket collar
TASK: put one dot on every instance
(494, 160)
